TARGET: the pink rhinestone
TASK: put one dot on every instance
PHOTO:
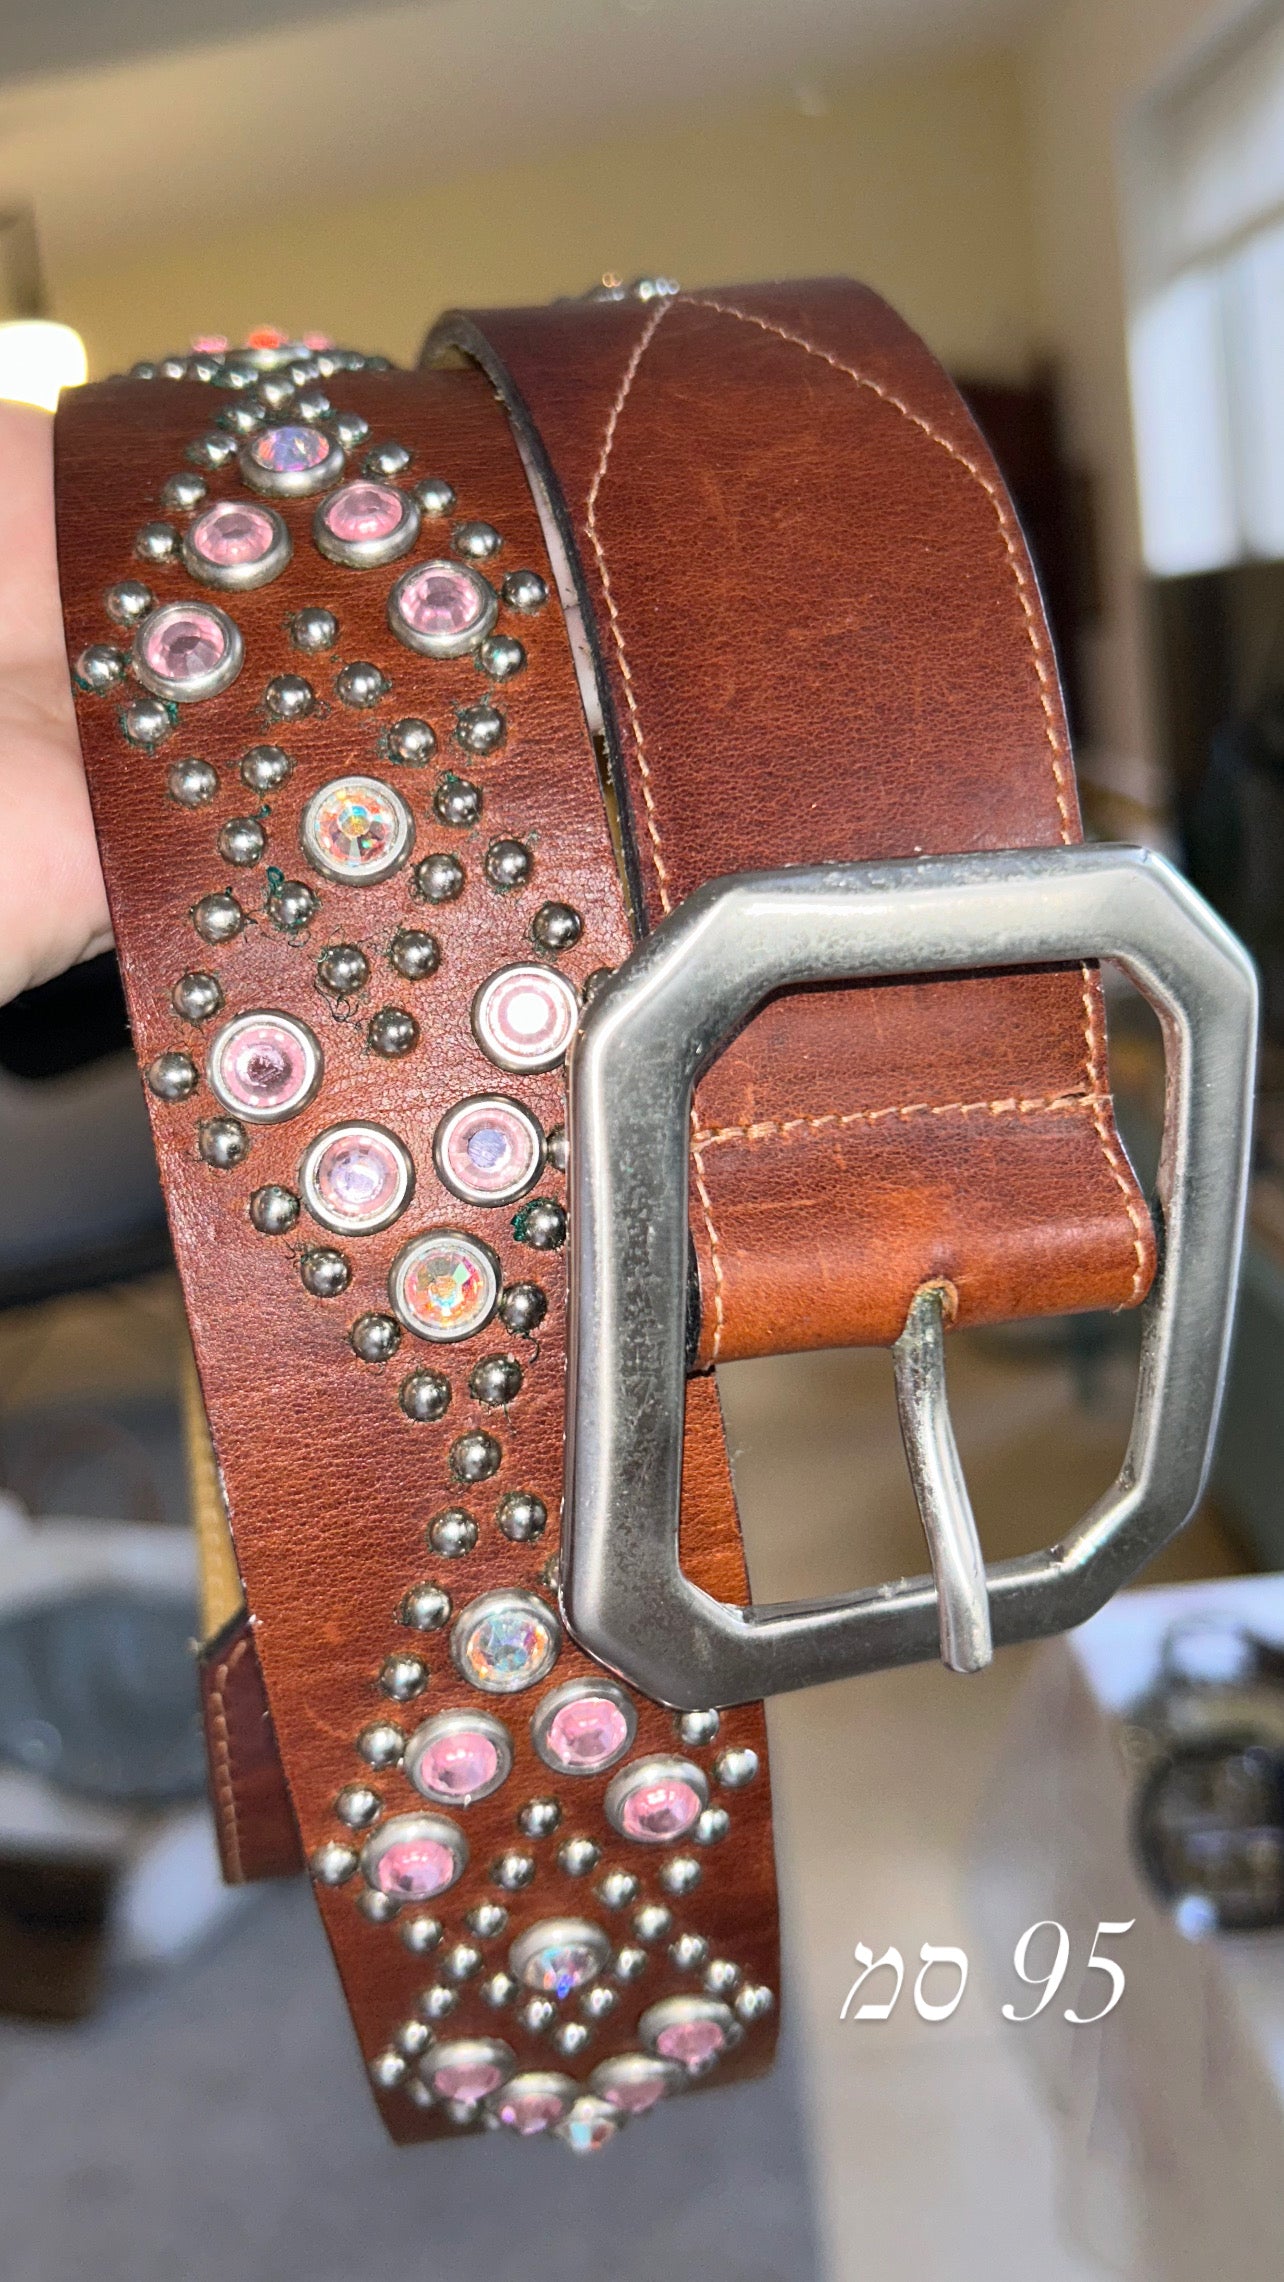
(525, 1017)
(458, 1765)
(586, 1734)
(413, 1869)
(289, 451)
(635, 2097)
(364, 511)
(359, 1176)
(440, 600)
(466, 2079)
(262, 1068)
(529, 2112)
(691, 2042)
(489, 1149)
(184, 646)
(229, 533)
(659, 1811)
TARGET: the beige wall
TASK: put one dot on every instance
(914, 179)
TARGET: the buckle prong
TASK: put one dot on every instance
(954, 1549)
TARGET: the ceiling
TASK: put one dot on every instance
(122, 123)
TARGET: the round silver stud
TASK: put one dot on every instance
(559, 1149)
(630, 1964)
(480, 729)
(508, 864)
(187, 651)
(478, 541)
(290, 462)
(524, 1017)
(733, 1769)
(488, 1919)
(411, 742)
(692, 2031)
(722, 1978)
(265, 767)
(264, 1066)
(437, 2003)
(420, 1933)
(426, 1608)
(402, 1678)
(413, 2038)
(223, 1142)
(378, 1909)
(570, 2040)
(461, 1962)
(755, 2001)
(129, 602)
(456, 802)
(475, 1456)
(514, 1871)
(212, 450)
(525, 590)
(196, 996)
(442, 609)
(443, 1286)
(387, 460)
(365, 524)
(688, 1952)
(374, 1338)
(538, 2015)
(181, 494)
(556, 926)
(498, 1991)
(343, 969)
(361, 685)
(539, 1818)
(425, 1396)
(598, 2002)
(541, 1223)
(192, 783)
(584, 1727)
(414, 1856)
(388, 2070)
(288, 697)
(594, 982)
(274, 1210)
(324, 1272)
(452, 1533)
(356, 830)
(439, 878)
(156, 543)
(618, 1889)
(381, 1745)
(172, 1077)
(358, 1806)
(351, 429)
(712, 1826)
(578, 1856)
(312, 404)
(521, 1516)
(414, 953)
(652, 1922)
(146, 722)
(314, 630)
(292, 906)
(522, 1309)
(242, 840)
(697, 1727)
(99, 666)
(332, 1863)
(434, 496)
(681, 1876)
(235, 546)
(392, 1032)
(218, 917)
(501, 656)
(495, 1381)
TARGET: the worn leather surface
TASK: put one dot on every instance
(329, 1487)
(819, 636)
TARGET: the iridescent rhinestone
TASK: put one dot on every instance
(559, 1955)
(356, 1178)
(291, 460)
(366, 523)
(458, 1757)
(505, 1641)
(444, 1285)
(524, 1017)
(488, 1150)
(441, 608)
(357, 830)
(590, 2126)
(414, 1856)
(236, 544)
(264, 1066)
(467, 2070)
(534, 2102)
(584, 1727)
(656, 1800)
(186, 651)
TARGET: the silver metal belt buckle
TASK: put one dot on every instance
(644, 1042)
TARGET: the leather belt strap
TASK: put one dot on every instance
(817, 634)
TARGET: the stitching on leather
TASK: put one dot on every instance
(644, 341)
(224, 1788)
(706, 1206)
(1109, 1145)
(1011, 1105)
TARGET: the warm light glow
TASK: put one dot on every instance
(38, 359)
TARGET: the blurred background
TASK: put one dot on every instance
(1080, 204)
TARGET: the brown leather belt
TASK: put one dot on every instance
(809, 630)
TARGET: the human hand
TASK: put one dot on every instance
(53, 907)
